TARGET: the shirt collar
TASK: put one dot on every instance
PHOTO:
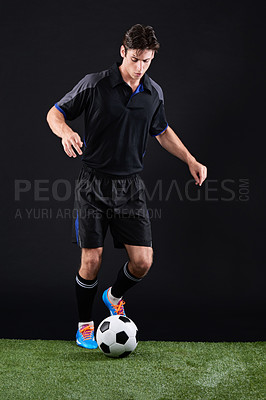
(116, 77)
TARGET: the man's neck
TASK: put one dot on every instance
(133, 83)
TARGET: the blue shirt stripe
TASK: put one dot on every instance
(161, 132)
(60, 109)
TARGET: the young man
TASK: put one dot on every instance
(122, 106)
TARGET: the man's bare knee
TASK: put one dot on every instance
(90, 262)
(140, 265)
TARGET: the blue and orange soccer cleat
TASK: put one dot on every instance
(85, 337)
(113, 308)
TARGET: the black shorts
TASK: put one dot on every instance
(103, 200)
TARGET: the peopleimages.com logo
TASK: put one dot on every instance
(61, 191)
(212, 190)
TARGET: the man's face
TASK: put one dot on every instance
(136, 62)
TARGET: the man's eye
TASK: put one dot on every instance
(135, 60)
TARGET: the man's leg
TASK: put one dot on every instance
(86, 288)
(132, 272)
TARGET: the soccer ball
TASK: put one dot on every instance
(117, 336)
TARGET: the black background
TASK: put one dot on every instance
(206, 283)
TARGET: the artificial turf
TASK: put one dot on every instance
(43, 369)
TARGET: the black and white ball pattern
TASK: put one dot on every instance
(117, 336)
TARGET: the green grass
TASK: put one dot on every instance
(40, 370)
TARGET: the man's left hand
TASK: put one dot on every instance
(198, 171)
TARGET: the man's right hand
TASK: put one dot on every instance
(72, 141)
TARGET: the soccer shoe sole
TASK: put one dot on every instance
(87, 347)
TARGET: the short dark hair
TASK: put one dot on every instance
(141, 37)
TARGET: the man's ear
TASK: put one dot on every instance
(122, 51)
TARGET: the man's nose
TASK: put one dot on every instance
(140, 66)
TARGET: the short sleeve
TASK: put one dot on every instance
(75, 101)
(159, 123)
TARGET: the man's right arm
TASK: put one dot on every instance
(70, 139)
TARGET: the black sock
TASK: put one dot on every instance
(85, 293)
(124, 281)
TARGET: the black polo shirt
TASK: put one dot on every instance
(117, 121)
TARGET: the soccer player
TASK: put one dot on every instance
(122, 105)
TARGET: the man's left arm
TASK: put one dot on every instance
(171, 142)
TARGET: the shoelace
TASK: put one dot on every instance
(119, 308)
(87, 332)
